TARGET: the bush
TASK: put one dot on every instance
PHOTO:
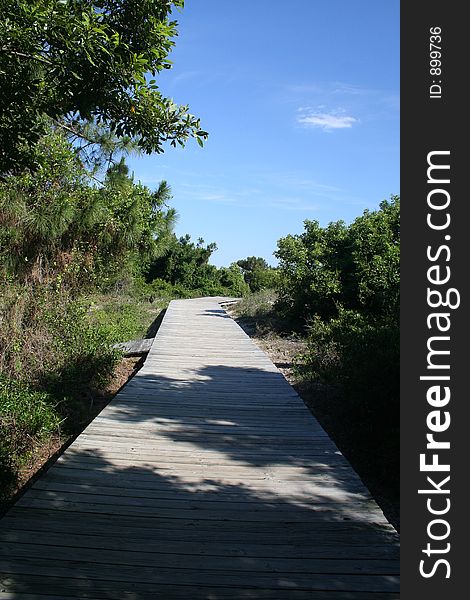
(257, 311)
(44, 329)
(256, 305)
(354, 267)
(258, 274)
(341, 284)
(183, 271)
(120, 320)
(84, 358)
(231, 283)
(26, 416)
(49, 345)
(362, 355)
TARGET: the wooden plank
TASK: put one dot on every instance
(291, 491)
(189, 460)
(210, 495)
(294, 423)
(211, 513)
(248, 565)
(81, 588)
(255, 478)
(216, 443)
(209, 492)
(203, 548)
(101, 444)
(214, 511)
(195, 577)
(292, 414)
(218, 433)
(166, 456)
(135, 347)
(341, 534)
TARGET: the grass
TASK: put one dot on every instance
(256, 312)
(123, 317)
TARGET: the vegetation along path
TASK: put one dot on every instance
(205, 477)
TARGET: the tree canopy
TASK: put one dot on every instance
(55, 224)
(355, 267)
(257, 273)
(73, 62)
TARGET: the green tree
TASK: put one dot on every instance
(376, 256)
(185, 263)
(311, 269)
(55, 223)
(74, 62)
(39, 212)
(354, 267)
(251, 263)
(257, 273)
(231, 278)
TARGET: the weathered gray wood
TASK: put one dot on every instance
(81, 588)
(194, 577)
(135, 347)
(246, 564)
(334, 529)
(206, 477)
(201, 513)
(202, 548)
(165, 456)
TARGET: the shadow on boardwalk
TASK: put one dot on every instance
(172, 493)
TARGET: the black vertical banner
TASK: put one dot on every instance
(435, 360)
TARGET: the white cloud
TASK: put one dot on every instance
(348, 89)
(326, 120)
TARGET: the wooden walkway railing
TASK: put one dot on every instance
(206, 477)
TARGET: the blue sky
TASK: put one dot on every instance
(301, 102)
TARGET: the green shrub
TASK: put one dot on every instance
(355, 267)
(26, 416)
(231, 282)
(359, 352)
(258, 274)
(263, 279)
(85, 358)
(183, 271)
(48, 342)
(322, 359)
(257, 312)
(362, 355)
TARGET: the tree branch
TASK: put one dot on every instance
(29, 56)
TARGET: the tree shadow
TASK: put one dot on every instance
(207, 483)
(154, 326)
(209, 312)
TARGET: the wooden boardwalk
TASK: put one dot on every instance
(206, 477)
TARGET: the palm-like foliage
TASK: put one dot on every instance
(56, 223)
